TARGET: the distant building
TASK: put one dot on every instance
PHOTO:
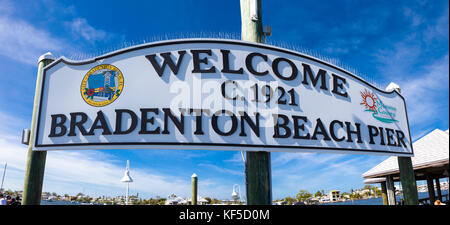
(324, 199)
(200, 201)
(175, 201)
(280, 202)
(45, 195)
(335, 195)
(227, 201)
(312, 201)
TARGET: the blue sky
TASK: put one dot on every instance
(406, 42)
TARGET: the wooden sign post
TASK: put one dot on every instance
(257, 164)
(407, 176)
(34, 172)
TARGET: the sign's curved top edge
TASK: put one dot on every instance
(212, 40)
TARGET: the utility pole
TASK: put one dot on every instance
(257, 164)
(34, 172)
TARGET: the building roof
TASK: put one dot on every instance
(178, 200)
(429, 151)
(199, 199)
(374, 180)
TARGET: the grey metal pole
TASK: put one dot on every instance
(194, 180)
(34, 172)
(257, 164)
(3, 178)
(390, 190)
(128, 188)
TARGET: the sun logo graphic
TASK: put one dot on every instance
(380, 111)
(369, 100)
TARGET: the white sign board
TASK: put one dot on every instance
(217, 95)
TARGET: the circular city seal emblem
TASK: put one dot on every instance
(102, 85)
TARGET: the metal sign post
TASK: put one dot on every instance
(194, 181)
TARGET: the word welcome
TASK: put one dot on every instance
(202, 64)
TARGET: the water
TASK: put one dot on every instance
(372, 201)
(57, 202)
(379, 201)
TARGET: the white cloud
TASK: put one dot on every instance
(438, 31)
(314, 171)
(222, 170)
(9, 124)
(23, 42)
(420, 66)
(80, 27)
(284, 158)
(425, 92)
(95, 171)
(415, 18)
(6, 7)
(236, 159)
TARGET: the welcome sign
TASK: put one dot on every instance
(216, 95)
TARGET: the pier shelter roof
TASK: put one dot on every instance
(431, 157)
(374, 180)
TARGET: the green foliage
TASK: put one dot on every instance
(378, 192)
(215, 201)
(318, 194)
(290, 200)
(161, 201)
(152, 201)
(303, 195)
(355, 196)
(136, 202)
